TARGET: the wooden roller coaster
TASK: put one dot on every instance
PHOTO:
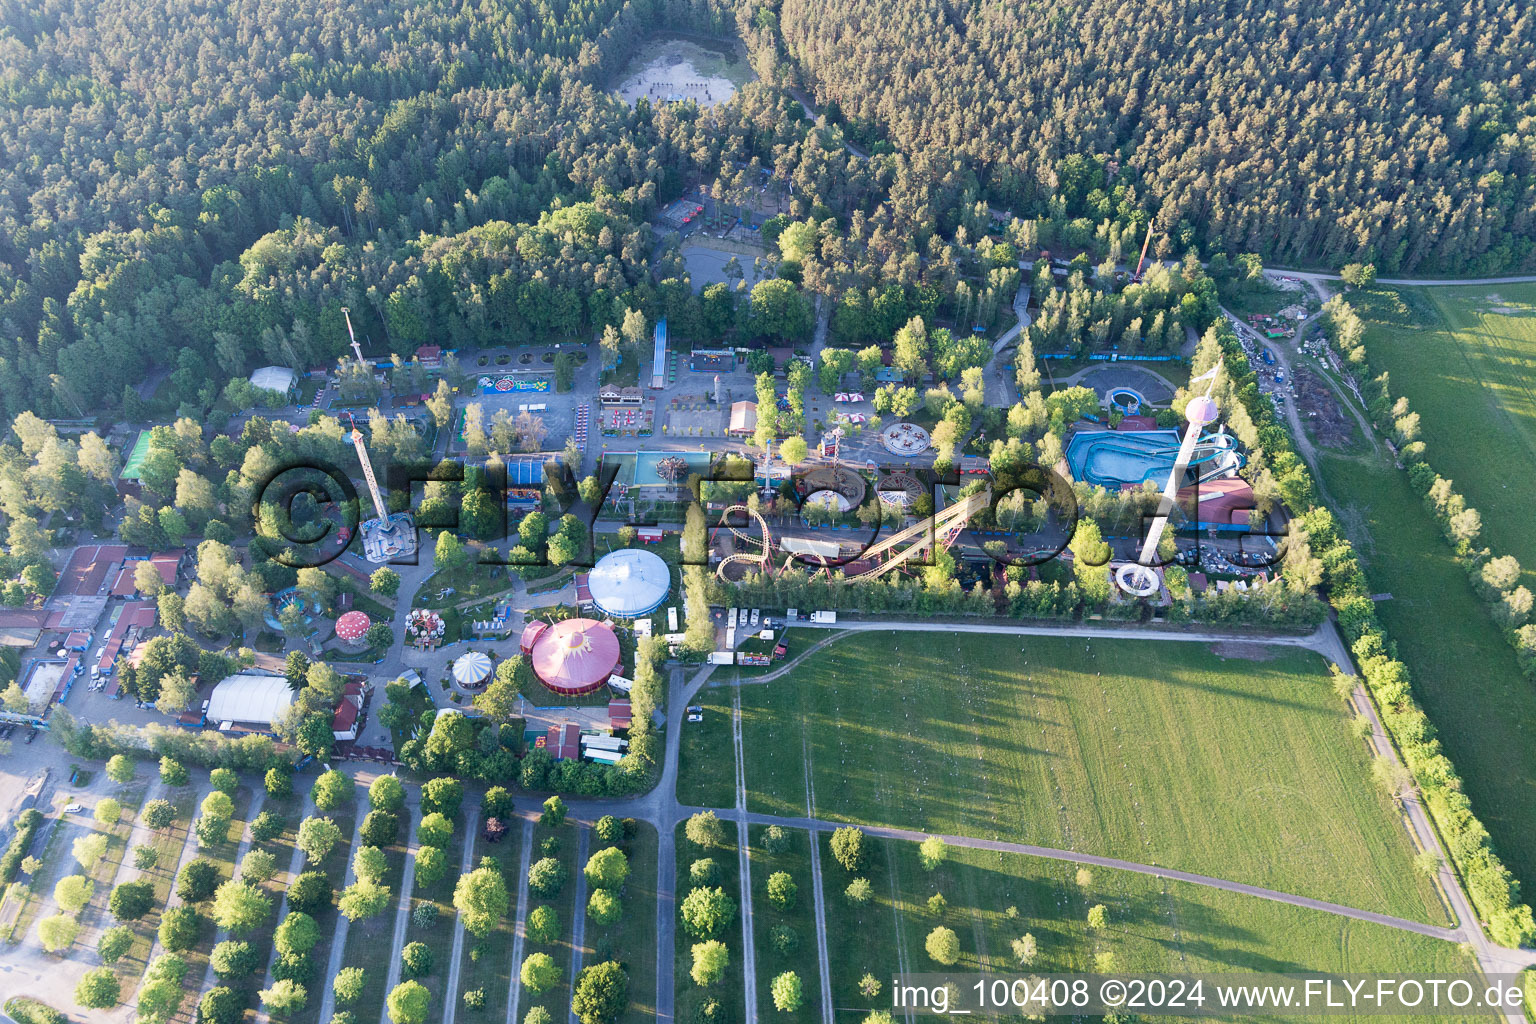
(940, 529)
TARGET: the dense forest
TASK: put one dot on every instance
(189, 191)
(1396, 133)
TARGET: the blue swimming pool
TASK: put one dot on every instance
(1112, 458)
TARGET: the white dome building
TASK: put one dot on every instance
(629, 583)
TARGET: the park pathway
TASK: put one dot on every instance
(520, 923)
(257, 802)
(578, 910)
(403, 909)
(343, 925)
(455, 964)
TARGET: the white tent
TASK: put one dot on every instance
(273, 378)
(629, 582)
(472, 668)
(250, 698)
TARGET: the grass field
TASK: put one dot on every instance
(1155, 752)
(1151, 925)
(1466, 360)
(167, 845)
(1464, 674)
(706, 761)
(439, 937)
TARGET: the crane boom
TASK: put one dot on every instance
(1144, 243)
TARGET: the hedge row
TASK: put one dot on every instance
(1494, 577)
(27, 824)
(1494, 891)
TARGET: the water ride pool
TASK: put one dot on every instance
(1113, 458)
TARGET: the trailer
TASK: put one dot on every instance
(672, 619)
(620, 683)
(600, 741)
(756, 660)
(722, 657)
(827, 617)
(603, 756)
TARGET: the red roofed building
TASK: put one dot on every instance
(430, 357)
(564, 742)
(123, 585)
(1225, 502)
(531, 633)
(573, 656)
(344, 724)
(169, 564)
(619, 715)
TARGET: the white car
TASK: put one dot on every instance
(695, 718)
(74, 808)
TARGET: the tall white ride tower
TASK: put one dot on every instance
(1138, 578)
(386, 537)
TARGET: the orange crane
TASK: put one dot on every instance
(1145, 242)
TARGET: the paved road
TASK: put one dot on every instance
(1408, 282)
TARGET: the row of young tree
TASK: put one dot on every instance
(1319, 555)
(1496, 578)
